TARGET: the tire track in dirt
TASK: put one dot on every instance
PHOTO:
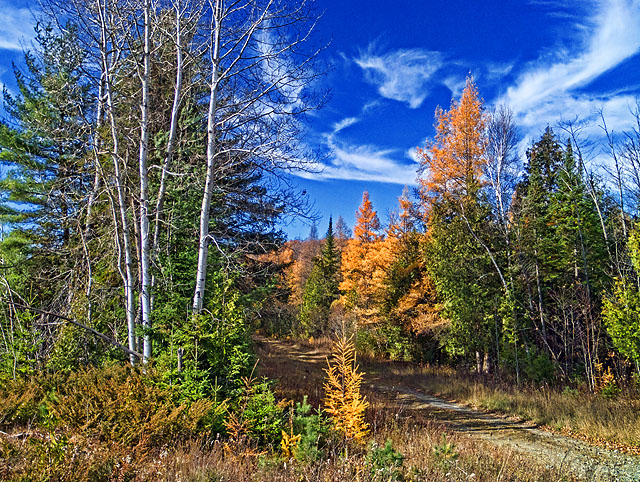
(587, 462)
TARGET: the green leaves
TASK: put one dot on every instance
(621, 314)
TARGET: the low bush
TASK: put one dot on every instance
(114, 404)
(314, 430)
(385, 463)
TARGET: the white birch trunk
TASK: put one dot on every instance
(145, 277)
(128, 278)
(203, 247)
(173, 128)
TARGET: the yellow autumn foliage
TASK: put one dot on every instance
(343, 400)
(364, 265)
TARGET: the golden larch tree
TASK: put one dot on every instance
(451, 166)
(416, 310)
(364, 263)
(343, 400)
(367, 222)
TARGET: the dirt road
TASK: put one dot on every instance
(585, 461)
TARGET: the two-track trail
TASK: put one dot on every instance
(300, 370)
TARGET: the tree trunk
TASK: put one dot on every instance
(203, 248)
(145, 278)
(128, 277)
(173, 128)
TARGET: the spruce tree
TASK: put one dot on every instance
(321, 288)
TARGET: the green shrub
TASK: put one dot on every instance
(445, 453)
(387, 340)
(538, 367)
(385, 463)
(257, 414)
(314, 430)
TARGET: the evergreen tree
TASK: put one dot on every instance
(562, 256)
(321, 288)
(536, 241)
(45, 147)
(458, 216)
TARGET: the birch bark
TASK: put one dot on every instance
(145, 278)
(203, 246)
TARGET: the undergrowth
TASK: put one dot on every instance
(118, 424)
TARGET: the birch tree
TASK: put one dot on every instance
(260, 65)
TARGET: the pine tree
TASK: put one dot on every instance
(562, 255)
(45, 148)
(313, 232)
(329, 257)
(321, 288)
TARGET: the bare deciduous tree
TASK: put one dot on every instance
(260, 67)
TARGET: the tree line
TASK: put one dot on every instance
(527, 266)
(146, 155)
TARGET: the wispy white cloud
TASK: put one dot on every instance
(497, 71)
(455, 84)
(17, 26)
(617, 110)
(369, 106)
(403, 75)
(412, 154)
(344, 123)
(364, 163)
(613, 36)
(278, 69)
(555, 89)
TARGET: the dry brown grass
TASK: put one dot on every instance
(413, 434)
(414, 438)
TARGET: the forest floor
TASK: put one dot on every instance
(298, 369)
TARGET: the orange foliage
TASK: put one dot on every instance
(452, 165)
(418, 310)
(367, 222)
(299, 256)
(364, 263)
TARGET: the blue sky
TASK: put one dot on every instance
(394, 62)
